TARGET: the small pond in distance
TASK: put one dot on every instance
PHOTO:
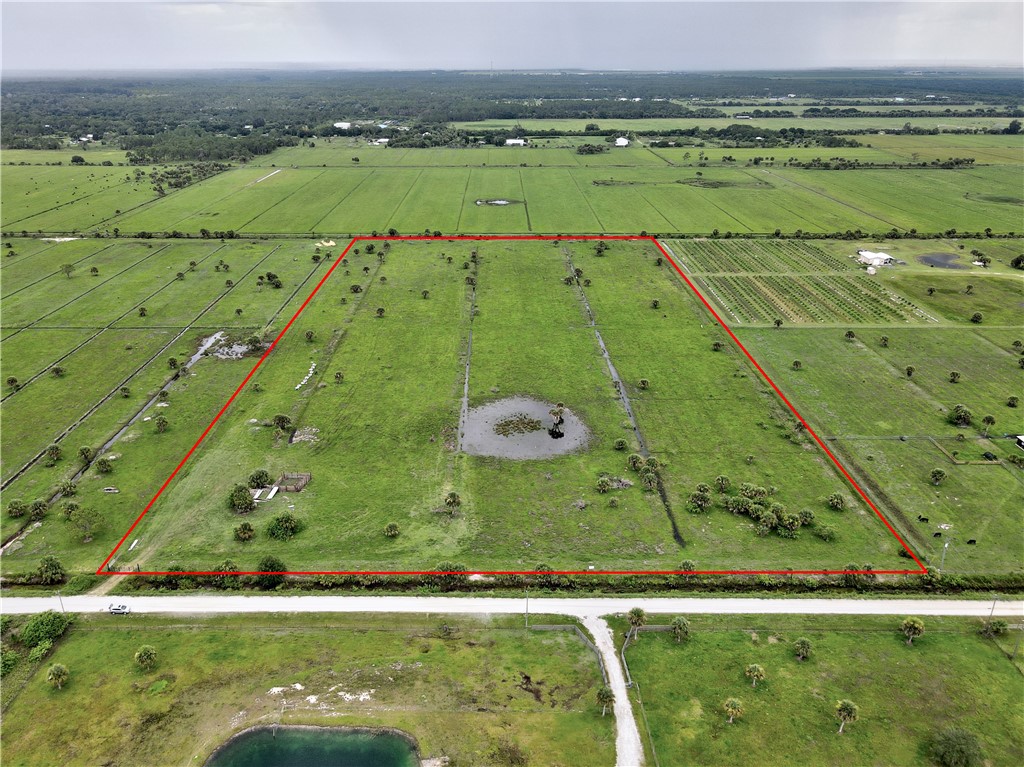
(314, 747)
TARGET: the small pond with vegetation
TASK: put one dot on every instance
(320, 746)
(522, 428)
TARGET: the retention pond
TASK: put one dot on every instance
(320, 746)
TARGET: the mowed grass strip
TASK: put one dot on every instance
(463, 696)
(905, 695)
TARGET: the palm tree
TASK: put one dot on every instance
(605, 698)
(310, 335)
(161, 424)
(883, 341)
(426, 294)
(778, 323)
(637, 618)
(722, 483)
(989, 422)
(850, 335)
(391, 530)
(146, 656)
(380, 311)
(797, 364)
(755, 672)
(846, 711)
(912, 628)
(57, 675)
(733, 708)
(339, 377)
(937, 475)
(452, 501)
(802, 646)
(680, 628)
(910, 370)
(655, 303)
(954, 376)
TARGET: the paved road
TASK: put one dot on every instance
(194, 605)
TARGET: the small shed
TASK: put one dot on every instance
(515, 142)
(622, 141)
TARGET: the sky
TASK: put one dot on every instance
(133, 35)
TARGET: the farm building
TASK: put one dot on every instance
(871, 258)
(622, 141)
(515, 142)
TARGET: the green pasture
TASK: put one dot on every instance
(307, 190)
(460, 693)
(707, 414)
(950, 677)
(69, 197)
(858, 392)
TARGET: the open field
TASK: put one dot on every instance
(696, 188)
(949, 677)
(400, 419)
(461, 694)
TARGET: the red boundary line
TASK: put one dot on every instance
(102, 571)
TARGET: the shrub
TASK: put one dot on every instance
(50, 571)
(241, 499)
(42, 627)
(259, 478)
(8, 660)
(837, 501)
(39, 651)
(245, 532)
(391, 530)
(271, 567)
(16, 508)
(146, 656)
(603, 484)
(960, 415)
(104, 466)
(620, 444)
(954, 747)
(284, 526)
(825, 532)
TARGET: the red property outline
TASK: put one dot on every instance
(922, 569)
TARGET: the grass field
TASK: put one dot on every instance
(379, 444)
(460, 694)
(949, 677)
(321, 189)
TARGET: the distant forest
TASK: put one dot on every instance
(222, 116)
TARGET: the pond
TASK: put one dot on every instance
(941, 260)
(320, 746)
(520, 428)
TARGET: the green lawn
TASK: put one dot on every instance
(461, 695)
(949, 677)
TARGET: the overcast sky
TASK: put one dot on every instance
(135, 34)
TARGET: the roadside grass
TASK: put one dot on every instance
(459, 695)
(949, 677)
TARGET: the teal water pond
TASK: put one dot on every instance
(315, 747)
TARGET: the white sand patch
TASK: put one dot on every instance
(298, 686)
(60, 239)
(361, 697)
(276, 690)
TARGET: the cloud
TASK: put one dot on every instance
(136, 35)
